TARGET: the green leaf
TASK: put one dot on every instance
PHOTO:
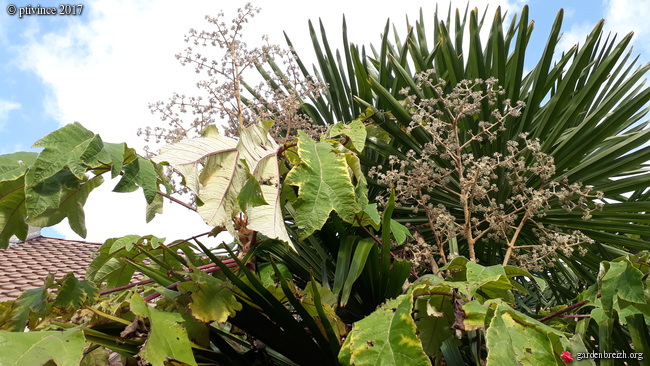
(324, 185)
(489, 282)
(639, 333)
(355, 131)
(37, 348)
(12, 210)
(500, 345)
(62, 148)
(118, 154)
(356, 267)
(400, 232)
(315, 297)
(475, 315)
(212, 300)
(125, 242)
(513, 338)
(154, 207)
(512, 271)
(251, 194)
(168, 335)
(60, 196)
(371, 216)
(74, 293)
(623, 281)
(434, 316)
(96, 357)
(386, 337)
(107, 266)
(15, 165)
(31, 302)
(139, 173)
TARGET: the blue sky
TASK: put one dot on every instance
(102, 68)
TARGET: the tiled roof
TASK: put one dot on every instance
(24, 266)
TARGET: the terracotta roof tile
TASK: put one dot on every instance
(24, 266)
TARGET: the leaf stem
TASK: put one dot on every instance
(373, 236)
(176, 200)
(567, 309)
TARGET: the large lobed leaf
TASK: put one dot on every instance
(45, 188)
(218, 168)
(65, 348)
(324, 185)
(515, 339)
(212, 299)
(260, 151)
(15, 165)
(588, 107)
(12, 210)
(167, 337)
(385, 337)
(74, 293)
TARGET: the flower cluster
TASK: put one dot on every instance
(473, 185)
(227, 96)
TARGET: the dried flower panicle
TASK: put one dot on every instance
(449, 166)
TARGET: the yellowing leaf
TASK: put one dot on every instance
(261, 154)
(167, 338)
(221, 180)
(217, 168)
(355, 131)
(186, 155)
(211, 299)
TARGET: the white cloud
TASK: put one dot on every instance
(576, 35)
(105, 71)
(621, 17)
(6, 106)
(8, 149)
(624, 16)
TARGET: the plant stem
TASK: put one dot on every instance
(373, 236)
(176, 200)
(513, 240)
(567, 309)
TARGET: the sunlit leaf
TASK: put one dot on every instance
(168, 335)
(385, 337)
(212, 299)
(65, 348)
(324, 185)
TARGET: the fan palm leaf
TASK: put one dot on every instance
(587, 106)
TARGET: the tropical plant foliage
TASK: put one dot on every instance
(382, 228)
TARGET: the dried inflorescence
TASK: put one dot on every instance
(452, 167)
(227, 96)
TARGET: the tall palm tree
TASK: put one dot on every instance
(585, 105)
